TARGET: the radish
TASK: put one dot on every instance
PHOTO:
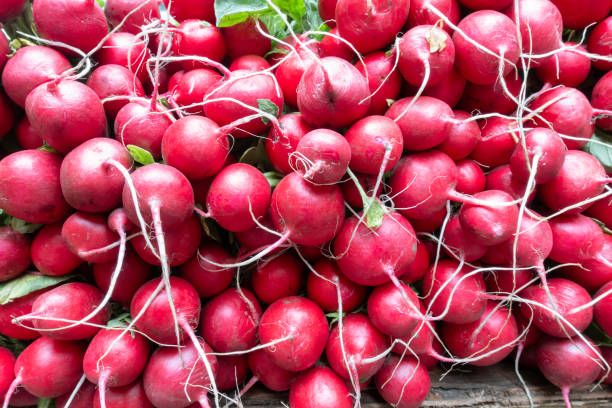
(550, 151)
(600, 98)
(279, 147)
(425, 122)
(88, 235)
(11, 9)
(352, 194)
(50, 254)
(64, 356)
(231, 371)
(502, 179)
(127, 50)
(112, 80)
(485, 4)
(449, 90)
(403, 382)
(131, 395)
(391, 248)
(463, 137)
(48, 106)
(499, 139)
(15, 253)
(27, 137)
(510, 282)
(265, 370)
(322, 156)
(599, 43)
(459, 243)
(89, 182)
(31, 188)
(327, 12)
(249, 62)
(602, 307)
(184, 9)
(590, 11)
(229, 321)
(495, 332)
(113, 361)
(133, 273)
(192, 87)
(370, 26)
(245, 38)
(333, 47)
(332, 93)
(277, 278)
(492, 97)
(18, 307)
(7, 115)
(426, 55)
(470, 177)
(80, 24)
(295, 202)
(566, 296)
(49, 64)
(567, 67)
(494, 32)
(177, 377)
(257, 237)
(369, 138)
(198, 39)
(7, 367)
(594, 272)
(600, 210)
(422, 12)
(136, 124)
(207, 279)
(575, 238)
(390, 312)
(319, 387)
(299, 328)
(82, 399)
(418, 267)
(290, 71)
(568, 363)
(580, 178)
(383, 78)
(323, 290)
(117, 10)
(489, 225)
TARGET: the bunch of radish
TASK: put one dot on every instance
(200, 195)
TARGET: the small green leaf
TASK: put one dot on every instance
(600, 146)
(256, 156)
(21, 226)
(45, 403)
(26, 284)
(231, 12)
(16, 346)
(45, 147)
(375, 214)
(273, 178)
(140, 155)
(268, 107)
(101, 3)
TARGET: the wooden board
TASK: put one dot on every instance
(492, 387)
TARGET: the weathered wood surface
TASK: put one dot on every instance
(492, 387)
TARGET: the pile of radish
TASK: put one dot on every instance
(200, 195)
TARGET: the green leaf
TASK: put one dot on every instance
(45, 403)
(45, 147)
(311, 20)
(101, 3)
(256, 156)
(273, 178)
(267, 106)
(26, 284)
(375, 214)
(16, 346)
(21, 226)
(602, 151)
(231, 12)
(140, 155)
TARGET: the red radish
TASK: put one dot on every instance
(265, 370)
(7, 367)
(131, 395)
(533, 334)
(82, 399)
(496, 33)
(49, 105)
(403, 382)
(602, 308)
(551, 152)
(89, 182)
(499, 139)
(383, 78)
(390, 249)
(352, 194)
(327, 12)
(333, 47)
(372, 25)
(27, 137)
(302, 328)
(117, 10)
(492, 224)
(332, 93)
(22, 398)
(600, 98)
(449, 90)
(501, 179)
(198, 39)
(18, 307)
(422, 12)
(322, 156)
(360, 341)
(447, 287)
(492, 97)
(178, 377)
(580, 178)
(133, 273)
(192, 87)
(325, 292)
(575, 238)
(463, 136)
(245, 38)
(11, 9)
(232, 370)
(136, 124)
(566, 67)
(540, 24)
(50, 254)
(15, 253)
(64, 356)
(591, 11)
(249, 62)
(7, 115)
(184, 9)
(247, 88)
(509, 282)
(485, 4)
(280, 147)
(568, 111)
(31, 188)
(278, 278)
(207, 279)
(495, 332)
(425, 122)
(319, 387)
(292, 68)
(80, 24)
(186, 304)
(49, 64)
(459, 243)
(606, 353)
(113, 80)
(599, 43)
(594, 272)
(426, 55)
(369, 138)
(229, 321)
(470, 177)
(257, 237)
(568, 363)
(127, 50)
(566, 296)
(307, 214)
(418, 267)
(394, 310)
(601, 211)
(88, 235)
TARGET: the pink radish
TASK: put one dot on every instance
(449, 90)
(510, 282)
(292, 68)
(463, 136)
(594, 272)
(459, 243)
(249, 62)
(265, 370)
(550, 150)
(192, 87)
(280, 147)
(352, 194)
(127, 50)
(18, 307)
(257, 237)
(14, 253)
(322, 156)
(403, 382)
(499, 139)
(422, 12)
(50, 254)
(200, 9)
(600, 98)
(492, 97)
(231, 370)
(470, 177)
(209, 280)
(82, 399)
(575, 238)
(602, 308)
(7, 367)
(492, 224)
(88, 236)
(131, 395)
(319, 387)
(332, 47)
(485, 4)
(117, 10)
(325, 293)
(501, 179)
(418, 267)
(591, 11)
(599, 43)
(277, 278)
(383, 79)
(540, 24)
(11, 9)
(568, 67)
(137, 125)
(112, 80)
(198, 39)
(392, 310)
(27, 137)
(245, 38)
(7, 115)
